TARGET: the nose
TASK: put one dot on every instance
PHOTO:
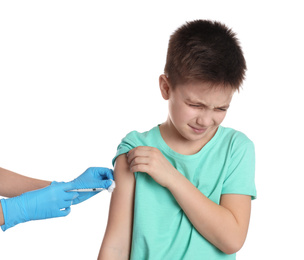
(205, 118)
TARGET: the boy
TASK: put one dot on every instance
(194, 178)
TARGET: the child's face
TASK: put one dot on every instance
(196, 110)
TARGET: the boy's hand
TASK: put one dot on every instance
(151, 161)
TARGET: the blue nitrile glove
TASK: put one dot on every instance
(93, 177)
(49, 202)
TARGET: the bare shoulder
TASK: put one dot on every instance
(123, 195)
(122, 173)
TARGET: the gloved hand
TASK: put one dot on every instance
(49, 202)
(93, 177)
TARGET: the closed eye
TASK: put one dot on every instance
(219, 109)
(192, 105)
(222, 109)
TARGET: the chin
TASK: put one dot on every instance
(208, 134)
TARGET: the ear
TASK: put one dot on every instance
(164, 86)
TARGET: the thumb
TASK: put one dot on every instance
(104, 184)
(107, 183)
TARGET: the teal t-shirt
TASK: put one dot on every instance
(161, 230)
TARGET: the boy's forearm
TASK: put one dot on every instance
(13, 184)
(112, 253)
(214, 222)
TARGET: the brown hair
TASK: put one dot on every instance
(205, 51)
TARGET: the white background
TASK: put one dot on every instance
(77, 76)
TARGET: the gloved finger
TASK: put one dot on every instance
(70, 195)
(76, 201)
(106, 183)
(64, 203)
(64, 212)
(105, 173)
(62, 187)
(66, 186)
(101, 184)
(83, 196)
(96, 184)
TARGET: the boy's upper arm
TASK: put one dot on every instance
(118, 235)
(240, 207)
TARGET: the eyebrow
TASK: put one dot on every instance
(202, 104)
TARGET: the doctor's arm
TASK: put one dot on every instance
(118, 235)
(33, 199)
(13, 184)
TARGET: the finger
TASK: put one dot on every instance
(137, 150)
(70, 195)
(106, 184)
(64, 212)
(83, 196)
(105, 173)
(139, 160)
(101, 184)
(66, 186)
(65, 204)
(76, 201)
(141, 151)
(140, 168)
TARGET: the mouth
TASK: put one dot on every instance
(198, 130)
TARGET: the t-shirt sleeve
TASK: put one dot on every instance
(241, 170)
(124, 147)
